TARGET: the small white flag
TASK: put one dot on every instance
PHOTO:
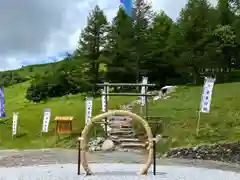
(46, 119)
(104, 103)
(106, 91)
(88, 115)
(144, 90)
(207, 95)
(14, 123)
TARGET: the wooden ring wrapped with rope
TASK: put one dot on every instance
(135, 117)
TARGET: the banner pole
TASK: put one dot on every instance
(198, 122)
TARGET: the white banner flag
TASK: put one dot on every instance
(104, 103)
(88, 115)
(104, 90)
(14, 123)
(46, 119)
(143, 90)
(207, 95)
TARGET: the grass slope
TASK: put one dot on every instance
(178, 112)
(39, 69)
(31, 116)
(181, 112)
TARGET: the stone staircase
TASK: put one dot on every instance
(122, 134)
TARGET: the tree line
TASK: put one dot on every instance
(203, 41)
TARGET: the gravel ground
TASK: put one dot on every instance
(113, 172)
(61, 164)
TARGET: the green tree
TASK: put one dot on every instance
(159, 57)
(196, 20)
(226, 14)
(142, 17)
(91, 42)
(120, 65)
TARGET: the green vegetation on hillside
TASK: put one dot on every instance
(179, 113)
(31, 117)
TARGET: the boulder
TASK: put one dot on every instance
(108, 145)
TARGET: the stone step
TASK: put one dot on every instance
(129, 140)
(121, 136)
(119, 132)
(122, 129)
(119, 118)
(120, 124)
(120, 139)
(132, 145)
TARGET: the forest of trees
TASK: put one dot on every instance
(203, 41)
(9, 78)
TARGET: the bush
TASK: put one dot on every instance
(66, 79)
(36, 93)
(9, 78)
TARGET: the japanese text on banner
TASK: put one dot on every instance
(14, 123)
(88, 109)
(207, 95)
(104, 103)
(144, 90)
(46, 119)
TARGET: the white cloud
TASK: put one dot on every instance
(33, 30)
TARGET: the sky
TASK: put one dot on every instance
(40, 31)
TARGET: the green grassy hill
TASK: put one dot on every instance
(181, 113)
(31, 116)
(178, 112)
(31, 70)
(38, 69)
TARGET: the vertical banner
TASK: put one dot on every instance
(14, 124)
(104, 90)
(2, 103)
(107, 93)
(205, 100)
(144, 90)
(89, 106)
(46, 119)
(127, 5)
(104, 103)
(207, 95)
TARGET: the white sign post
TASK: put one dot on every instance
(206, 99)
(46, 119)
(105, 99)
(144, 91)
(104, 103)
(14, 125)
(89, 106)
(106, 90)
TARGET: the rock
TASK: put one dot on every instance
(95, 144)
(226, 152)
(195, 148)
(92, 149)
(98, 148)
(108, 145)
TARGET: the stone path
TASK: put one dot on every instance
(61, 164)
